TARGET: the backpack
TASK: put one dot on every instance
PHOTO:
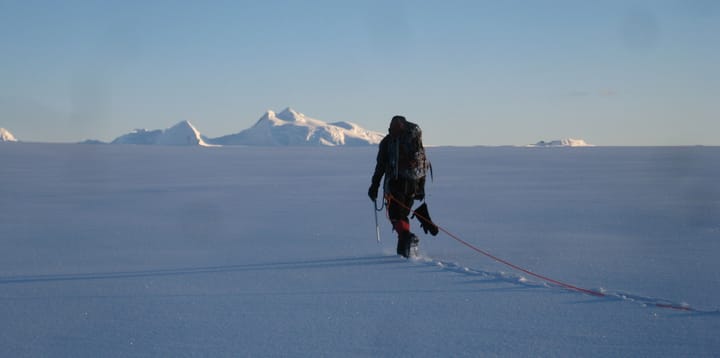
(407, 157)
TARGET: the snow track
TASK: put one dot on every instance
(517, 279)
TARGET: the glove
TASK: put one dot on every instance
(423, 216)
(373, 192)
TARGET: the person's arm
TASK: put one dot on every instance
(379, 171)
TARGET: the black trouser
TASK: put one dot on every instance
(399, 206)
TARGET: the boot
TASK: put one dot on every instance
(407, 245)
(403, 245)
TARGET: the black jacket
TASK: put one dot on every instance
(394, 183)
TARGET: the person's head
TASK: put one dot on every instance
(397, 125)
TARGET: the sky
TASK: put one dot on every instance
(477, 72)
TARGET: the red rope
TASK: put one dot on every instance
(505, 262)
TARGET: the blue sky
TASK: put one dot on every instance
(469, 72)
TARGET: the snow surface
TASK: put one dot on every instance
(244, 251)
(6, 136)
(292, 128)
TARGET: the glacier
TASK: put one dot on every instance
(115, 251)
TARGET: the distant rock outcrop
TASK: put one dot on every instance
(567, 142)
(92, 141)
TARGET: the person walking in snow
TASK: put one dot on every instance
(402, 162)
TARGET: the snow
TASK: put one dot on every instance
(292, 128)
(286, 128)
(246, 251)
(6, 136)
(566, 142)
(183, 133)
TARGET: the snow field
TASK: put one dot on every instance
(236, 251)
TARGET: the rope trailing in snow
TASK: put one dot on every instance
(505, 262)
(666, 305)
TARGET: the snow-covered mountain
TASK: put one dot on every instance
(183, 133)
(567, 142)
(292, 128)
(6, 136)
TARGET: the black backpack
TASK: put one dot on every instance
(407, 154)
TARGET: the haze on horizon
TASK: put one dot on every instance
(469, 72)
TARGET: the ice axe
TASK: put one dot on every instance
(377, 226)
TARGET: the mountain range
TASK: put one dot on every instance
(183, 133)
(286, 128)
(292, 128)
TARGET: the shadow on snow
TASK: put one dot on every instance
(283, 265)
